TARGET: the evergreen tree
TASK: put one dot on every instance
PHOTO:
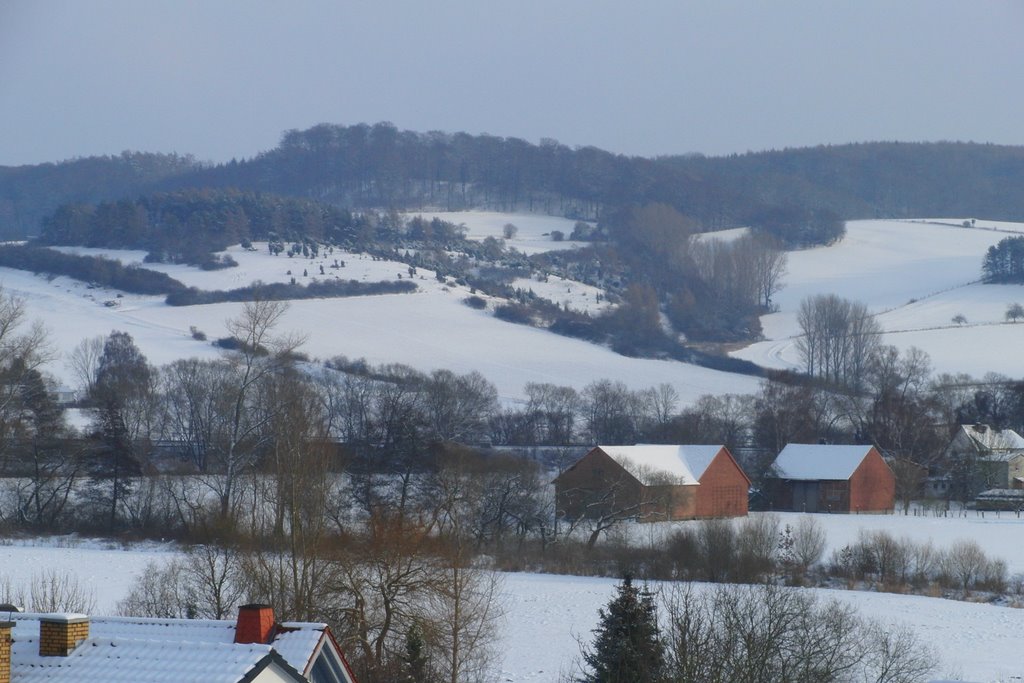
(627, 646)
(417, 668)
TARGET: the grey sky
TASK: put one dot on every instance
(223, 79)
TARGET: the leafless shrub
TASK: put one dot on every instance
(965, 563)
(684, 549)
(716, 541)
(770, 634)
(924, 563)
(54, 591)
(993, 577)
(756, 546)
(808, 543)
(203, 583)
(161, 591)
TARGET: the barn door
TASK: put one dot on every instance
(805, 496)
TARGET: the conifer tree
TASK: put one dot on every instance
(627, 645)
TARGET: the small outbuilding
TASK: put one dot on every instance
(654, 483)
(827, 478)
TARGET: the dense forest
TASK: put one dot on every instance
(188, 226)
(28, 194)
(379, 166)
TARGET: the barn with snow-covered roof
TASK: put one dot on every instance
(827, 478)
(654, 483)
(254, 649)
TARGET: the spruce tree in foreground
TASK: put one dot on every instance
(627, 646)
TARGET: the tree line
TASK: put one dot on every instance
(379, 166)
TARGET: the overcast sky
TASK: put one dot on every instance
(222, 79)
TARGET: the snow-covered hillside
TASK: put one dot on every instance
(429, 329)
(916, 276)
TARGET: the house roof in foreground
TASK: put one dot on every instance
(157, 650)
(799, 461)
(682, 464)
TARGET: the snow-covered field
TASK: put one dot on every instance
(915, 276)
(546, 616)
(533, 231)
(567, 293)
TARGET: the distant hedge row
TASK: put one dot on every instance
(279, 291)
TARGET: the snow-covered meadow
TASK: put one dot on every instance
(915, 276)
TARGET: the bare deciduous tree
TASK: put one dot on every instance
(837, 339)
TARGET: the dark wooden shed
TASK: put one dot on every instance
(827, 478)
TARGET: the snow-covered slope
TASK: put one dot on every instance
(429, 329)
(915, 276)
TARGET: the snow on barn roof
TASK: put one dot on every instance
(151, 649)
(650, 463)
(818, 461)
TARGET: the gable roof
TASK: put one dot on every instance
(651, 463)
(816, 461)
(171, 650)
(987, 440)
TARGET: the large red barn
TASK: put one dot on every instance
(654, 483)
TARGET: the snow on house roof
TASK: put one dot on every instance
(990, 440)
(297, 642)
(154, 661)
(649, 463)
(146, 649)
(817, 461)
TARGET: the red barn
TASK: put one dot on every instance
(826, 478)
(654, 483)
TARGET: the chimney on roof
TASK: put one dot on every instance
(255, 624)
(60, 634)
(5, 651)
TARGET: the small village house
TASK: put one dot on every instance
(654, 483)
(255, 648)
(827, 478)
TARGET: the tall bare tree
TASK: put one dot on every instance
(258, 353)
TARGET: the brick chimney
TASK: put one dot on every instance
(60, 634)
(5, 651)
(255, 624)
